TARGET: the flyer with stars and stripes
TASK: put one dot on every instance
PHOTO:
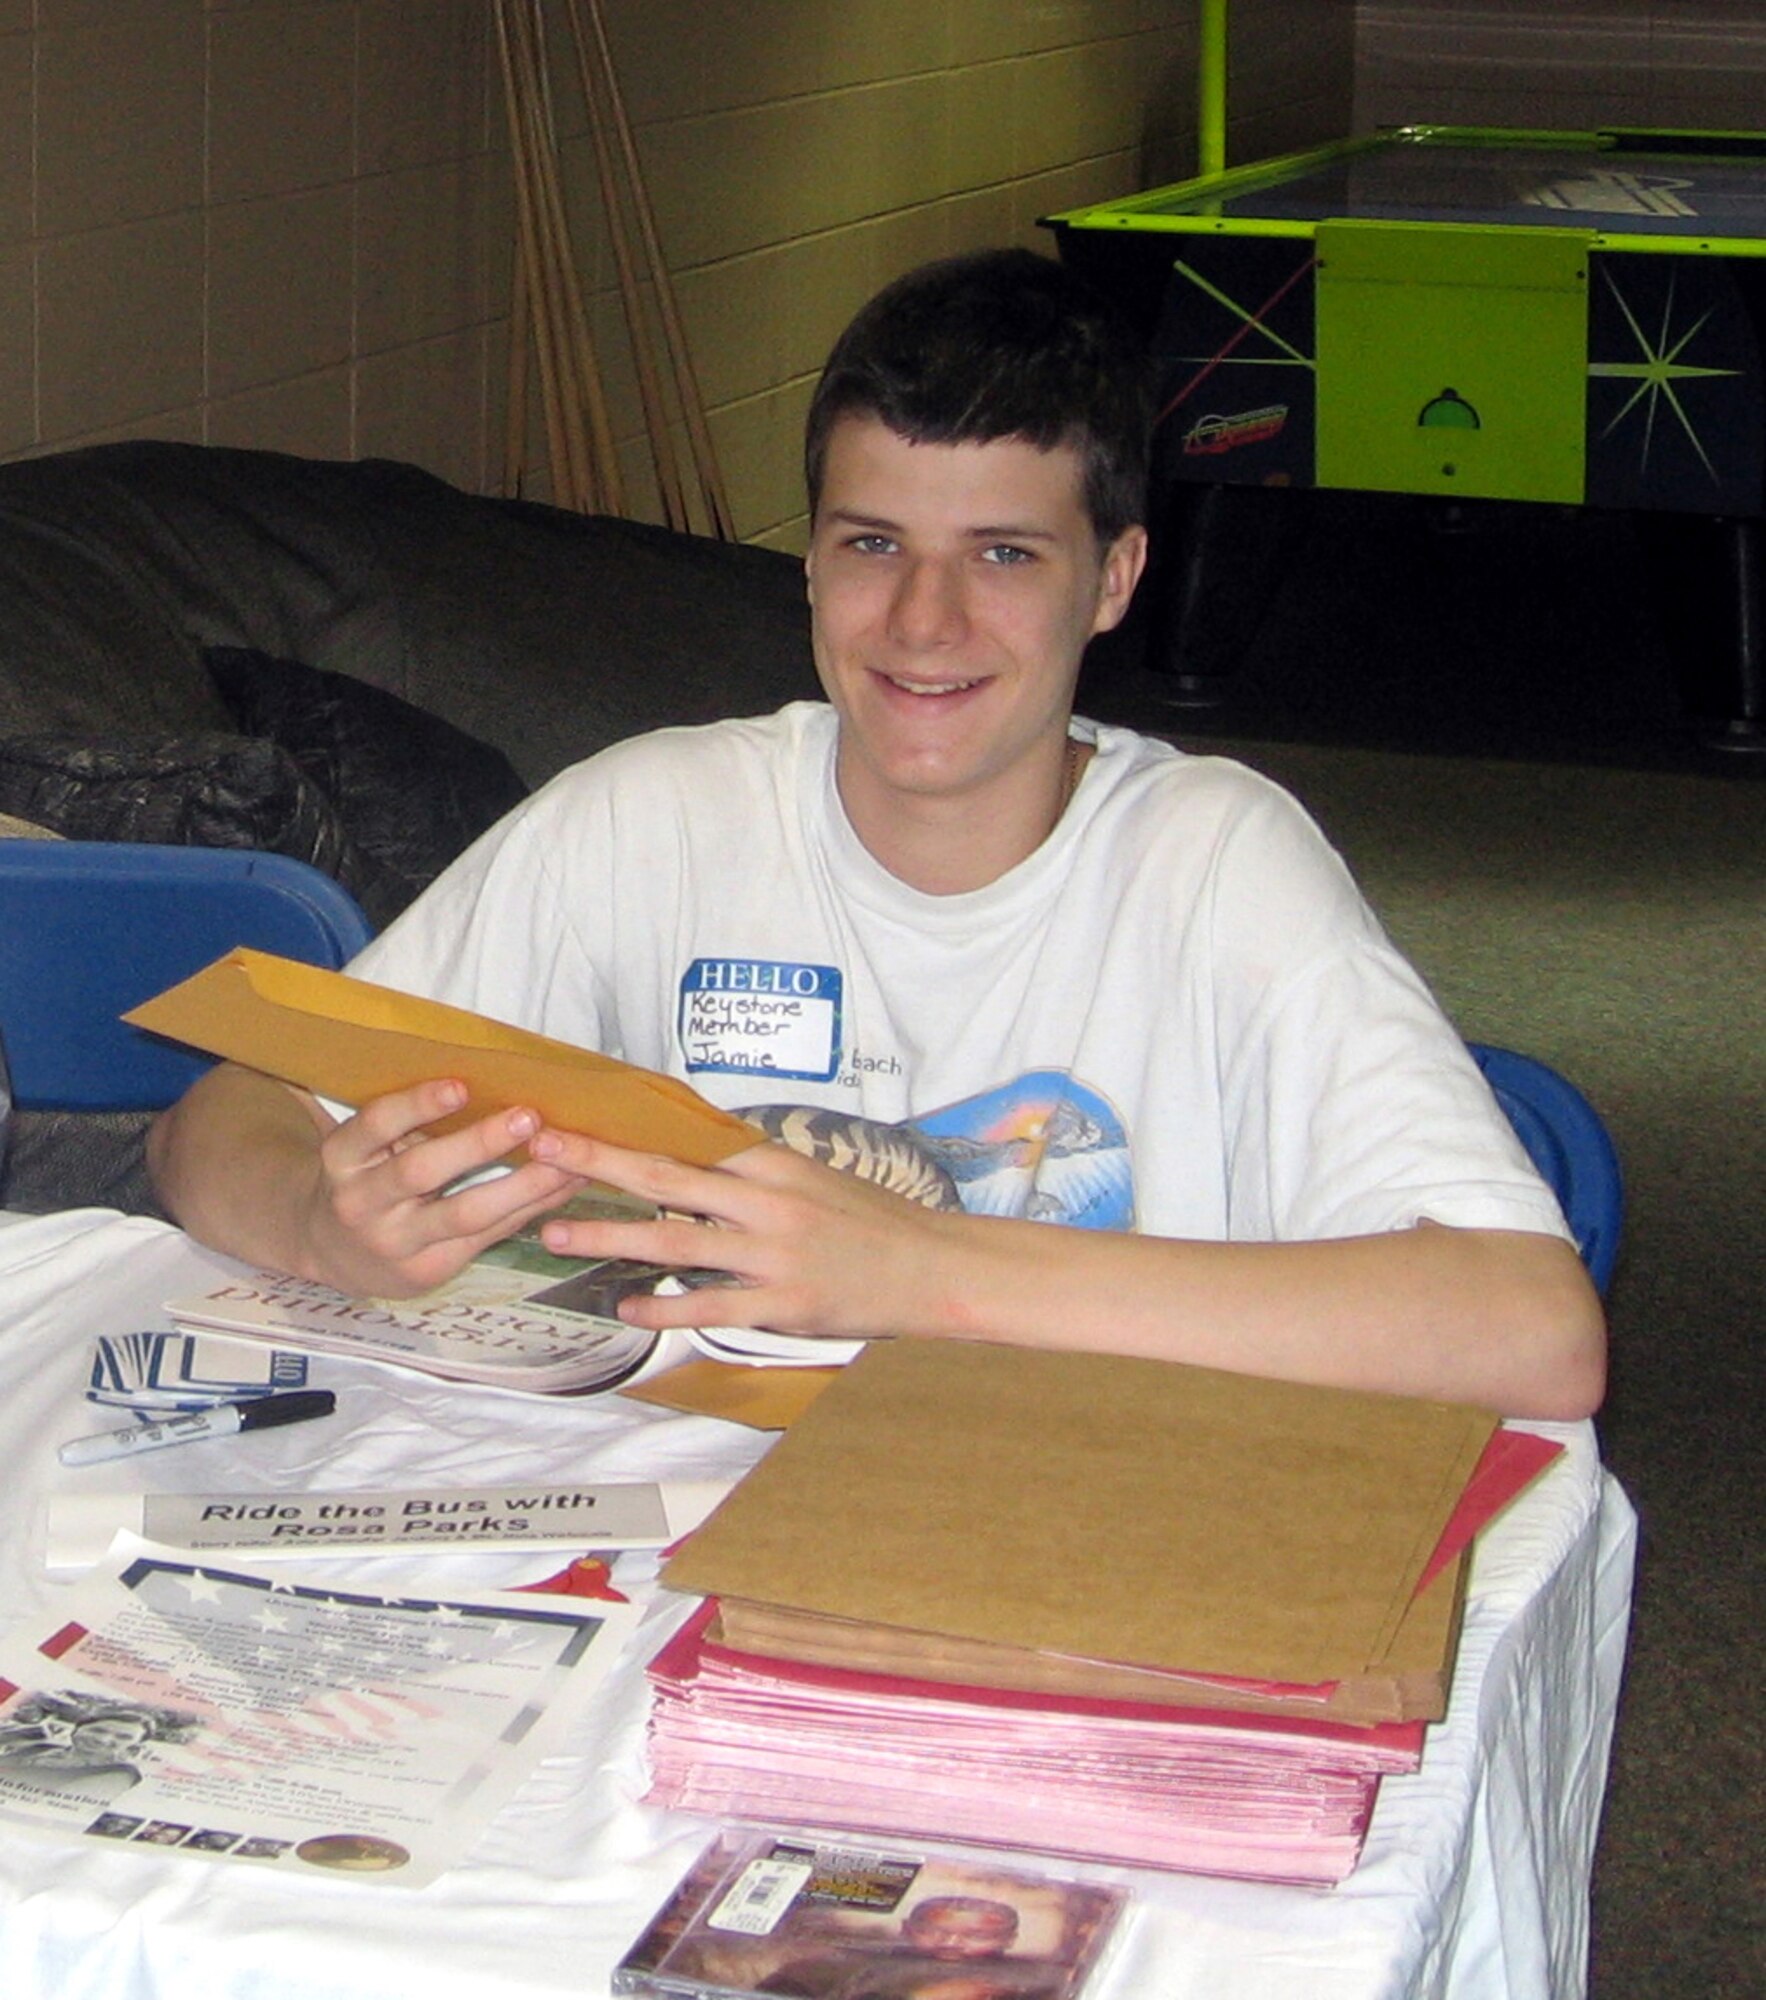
(195, 1705)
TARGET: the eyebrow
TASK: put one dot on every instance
(1003, 532)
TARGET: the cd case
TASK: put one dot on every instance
(763, 1914)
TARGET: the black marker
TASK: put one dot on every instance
(224, 1420)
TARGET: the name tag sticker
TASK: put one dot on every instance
(761, 1016)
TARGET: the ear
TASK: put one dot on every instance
(1123, 563)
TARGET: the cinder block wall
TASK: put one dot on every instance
(255, 223)
(807, 152)
(286, 223)
(1565, 64)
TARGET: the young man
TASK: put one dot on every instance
(1095, 981)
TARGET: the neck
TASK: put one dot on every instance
(947, 846)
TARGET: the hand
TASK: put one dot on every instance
(809, 1249)
(378, 1218)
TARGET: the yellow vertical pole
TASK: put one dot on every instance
(1211, 90)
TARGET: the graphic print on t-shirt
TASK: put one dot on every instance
(892, 1156)
(1044, 1147)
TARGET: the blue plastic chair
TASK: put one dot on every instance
(88, 929)
(1567, 1142)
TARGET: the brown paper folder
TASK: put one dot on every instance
(350, 1040)
(1140, 1512)
(1410, 1684)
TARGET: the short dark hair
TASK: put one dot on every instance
(990, 345)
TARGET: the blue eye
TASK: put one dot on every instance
(1007, 554)
(872, 545)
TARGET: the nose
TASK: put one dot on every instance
(927, 611)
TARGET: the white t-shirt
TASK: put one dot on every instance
(1177, 1015)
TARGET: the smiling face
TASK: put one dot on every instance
(954, 588)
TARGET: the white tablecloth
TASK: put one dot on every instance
(1474, 1882)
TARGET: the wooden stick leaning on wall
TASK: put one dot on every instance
(686, 384)
(604, 456)
(529, 279)
(546, 294)
(515, 400)
(606, 486)
(663, 456)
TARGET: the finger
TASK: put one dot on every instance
(398, 1225)
(498, 1207)
(415, 1246)
(400, 1207)
(664, 1183)
(677, 1241)
(379, 1125)
(416, 1167)
(723, 1305)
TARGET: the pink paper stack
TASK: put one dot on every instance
(737, 1736)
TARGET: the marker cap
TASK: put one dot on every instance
(294, 1408)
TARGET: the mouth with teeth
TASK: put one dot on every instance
(930, 687)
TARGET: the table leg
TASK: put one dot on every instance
(1708, 592)
(1219, 556)
(1746, 726)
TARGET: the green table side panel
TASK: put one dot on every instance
(1452, 360)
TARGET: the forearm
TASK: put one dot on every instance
(235, 1162)
(1498, 1318)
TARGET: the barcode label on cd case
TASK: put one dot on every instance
(761, 1895)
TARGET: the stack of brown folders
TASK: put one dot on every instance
(1098, 1607)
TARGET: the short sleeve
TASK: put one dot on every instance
(1351, 1105)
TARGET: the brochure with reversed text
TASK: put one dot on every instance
(516, 1318)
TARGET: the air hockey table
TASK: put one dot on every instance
(1477, 315)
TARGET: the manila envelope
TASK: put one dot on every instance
(349, 1040)
(765, 1399)
(1144, 1512)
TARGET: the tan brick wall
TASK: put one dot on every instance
(285, 223)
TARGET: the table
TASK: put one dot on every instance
(1471, 314)
(1474, 1881)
